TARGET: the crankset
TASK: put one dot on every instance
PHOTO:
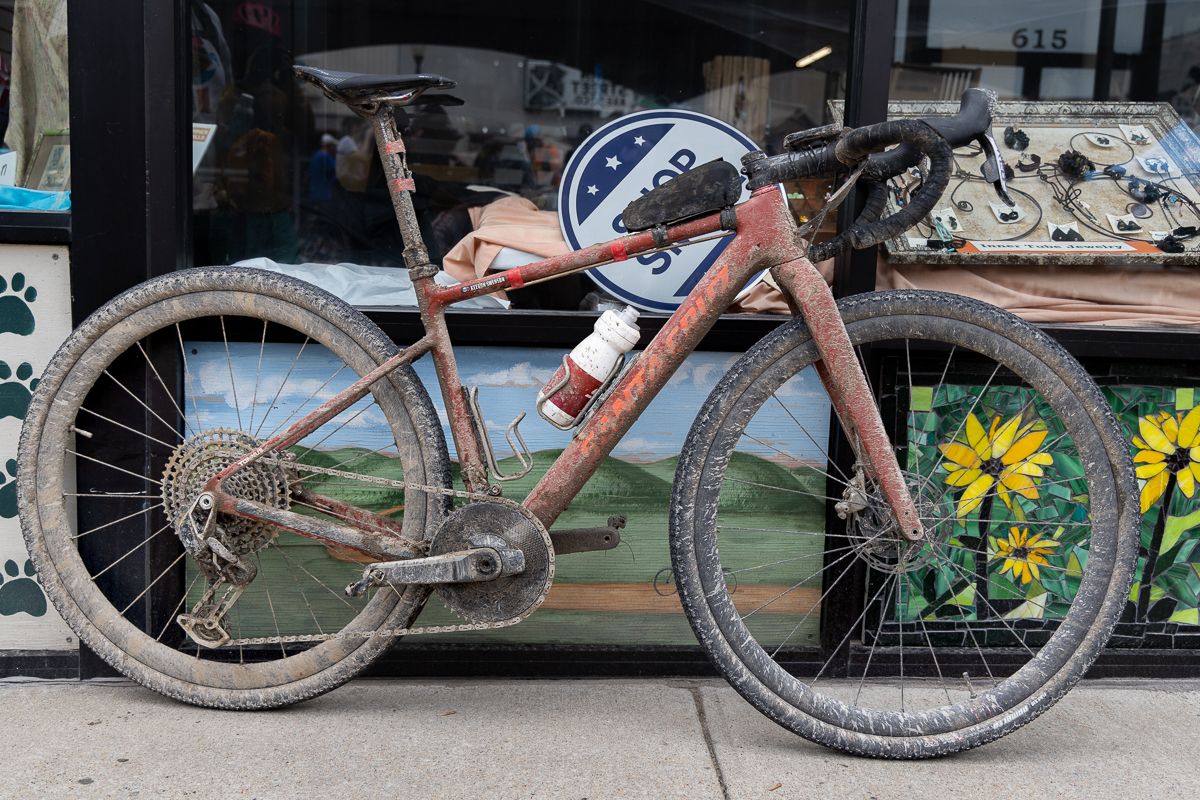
(491, 561)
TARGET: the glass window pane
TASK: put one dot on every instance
(293, 176)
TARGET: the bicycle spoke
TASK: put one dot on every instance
(875, 641)
(151, 584)
(174, 614)
(335, 431)
(339, 595)
(141, 403)
(281, 426)
(784, 489)
(849, 631)
(270, 604)
(170, 395)
(114, 467)
(143, 434)
(130, 551)
(933, 655)
(237, 407)
(992, 608)
(809, 436)
(187, 372)
(257, 374)
(817, 470)
(271, 406)
(845, 571)
(116, 521)
(801, 582)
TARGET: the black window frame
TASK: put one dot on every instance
(130, 113)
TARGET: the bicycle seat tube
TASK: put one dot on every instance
(416, 256)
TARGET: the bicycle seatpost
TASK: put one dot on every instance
(400, 186)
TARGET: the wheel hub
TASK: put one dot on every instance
(875, 534)
(196, 461)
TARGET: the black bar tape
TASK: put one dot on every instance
(876, 203)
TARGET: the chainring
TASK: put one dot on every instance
(203, 455)
(510, 598)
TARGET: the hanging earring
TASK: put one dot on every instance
(1015, 139)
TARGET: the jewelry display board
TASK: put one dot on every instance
(1093, 182)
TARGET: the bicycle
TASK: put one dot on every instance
(977, 419)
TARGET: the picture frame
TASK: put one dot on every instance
(1100, 231)
(50, 168)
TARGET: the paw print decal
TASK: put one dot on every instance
(15, 297)
(15, 394)
(8, 490)
(21, 593)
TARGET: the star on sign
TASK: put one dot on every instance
(639, 141)
(612, 162)
(592, 190)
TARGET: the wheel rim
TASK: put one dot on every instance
(974, 699)
(257, 668)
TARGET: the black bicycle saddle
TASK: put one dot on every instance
(355, 88)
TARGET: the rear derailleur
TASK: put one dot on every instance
(202, 538)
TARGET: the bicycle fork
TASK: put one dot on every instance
(847, 386)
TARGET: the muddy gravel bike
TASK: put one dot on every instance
(265, 555)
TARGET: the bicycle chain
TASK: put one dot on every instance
(395, 484)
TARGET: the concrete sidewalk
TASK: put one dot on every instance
(562, 739)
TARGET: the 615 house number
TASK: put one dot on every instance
(1037, 38)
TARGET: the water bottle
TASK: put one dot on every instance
(588, 368)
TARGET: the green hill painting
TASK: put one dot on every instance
(620, 596)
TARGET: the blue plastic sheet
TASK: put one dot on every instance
(13, 198)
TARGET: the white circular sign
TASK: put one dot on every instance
(624, 160)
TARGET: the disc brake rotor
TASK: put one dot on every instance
(875, 535)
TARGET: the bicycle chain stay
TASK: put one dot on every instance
(395, 484)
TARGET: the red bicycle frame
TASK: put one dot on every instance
(765, 236)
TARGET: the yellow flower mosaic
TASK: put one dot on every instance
(1005, 456)
(1023, 553)
(1168, 444)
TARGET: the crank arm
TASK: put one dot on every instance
(376, 543)
(464, 566)
(582, 540)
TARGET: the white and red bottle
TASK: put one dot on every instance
(588, 367)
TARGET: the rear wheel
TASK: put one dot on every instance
(110, 458)
(1024, 487)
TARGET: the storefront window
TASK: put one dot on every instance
(1099, 226)
(35, 162)
(1050, 50)
(287, 175)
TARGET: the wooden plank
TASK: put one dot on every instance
(641, 598)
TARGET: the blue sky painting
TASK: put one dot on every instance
(508, 379)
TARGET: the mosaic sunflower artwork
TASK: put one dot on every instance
(998, 468)
(1009, 477)
(1164, 437)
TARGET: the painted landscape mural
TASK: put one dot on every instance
(620, 596)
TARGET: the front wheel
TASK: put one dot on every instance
(861, 640)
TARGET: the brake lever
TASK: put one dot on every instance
(993, 167)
